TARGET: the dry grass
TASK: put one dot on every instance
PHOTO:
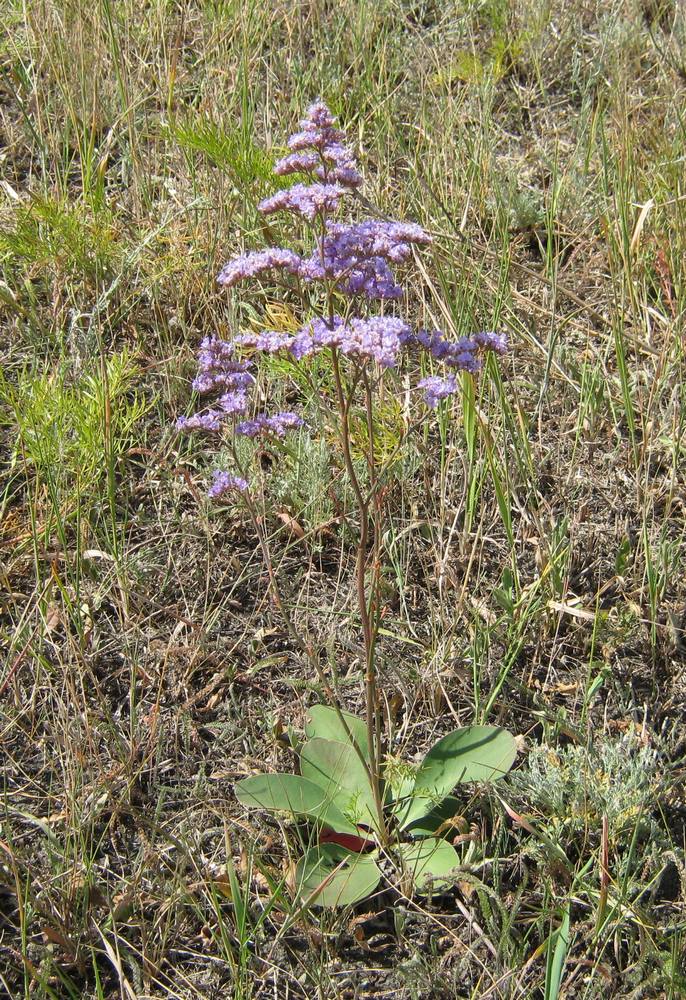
(536, 567)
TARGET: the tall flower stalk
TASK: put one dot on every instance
(350, 292)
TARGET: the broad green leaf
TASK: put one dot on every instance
(328, 875)
(441, 814)
(323, 722)
(338, 770)
(427, 862)
(475, 753)
(293, 794)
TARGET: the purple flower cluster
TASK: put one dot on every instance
(339, 166)
(267, 341)
(234, 403)
(374, 238)
(211, 420)
(315, 336)
(297, 163)
(437, 388)
(464, 354)
(308, 200)
(279, 424)
(490, 341)
(333, 164)
(249, 265)
(318, 150)
(218, 369)
(354, 259)
(377, 338)
(356, 256)
(318, 130)
(224, 482)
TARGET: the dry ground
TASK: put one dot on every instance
(535, 570)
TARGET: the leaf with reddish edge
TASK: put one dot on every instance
(346, 840)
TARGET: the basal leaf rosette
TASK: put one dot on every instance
(334, 793)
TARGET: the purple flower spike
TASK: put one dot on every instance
(462, 354)
(373, 279)
(249, 265)
(316, 335)
(216, 355)
(302, 345)
(233, 402)
(465, 361)
(357, 256)
(347, 176)
(355, 259)
(378, 338)
(212, 420)
(372, 238)
(318, 116)
(206, 382)
(224, 483)
(218, 369)
(297, 163)
(339, 166)
(437, 388)
(249, 428)
(318, 129)
(278, 425)
(490, 341)
(304, 199)
(268, 341)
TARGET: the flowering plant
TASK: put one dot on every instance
(346, 785)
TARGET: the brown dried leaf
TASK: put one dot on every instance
(291, 523)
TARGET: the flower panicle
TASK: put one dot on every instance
(354, 260)
(317, 130)
(464, 354)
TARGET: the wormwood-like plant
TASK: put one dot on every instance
(363, 806)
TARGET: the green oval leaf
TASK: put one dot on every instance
(323, 722)
(293, 794)
(338, 770)
(430, 824)
(475, 753)
(427, 862)
(328, 875)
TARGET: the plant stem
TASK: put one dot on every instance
(304, 646)
(368, 631)
(373, 604)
